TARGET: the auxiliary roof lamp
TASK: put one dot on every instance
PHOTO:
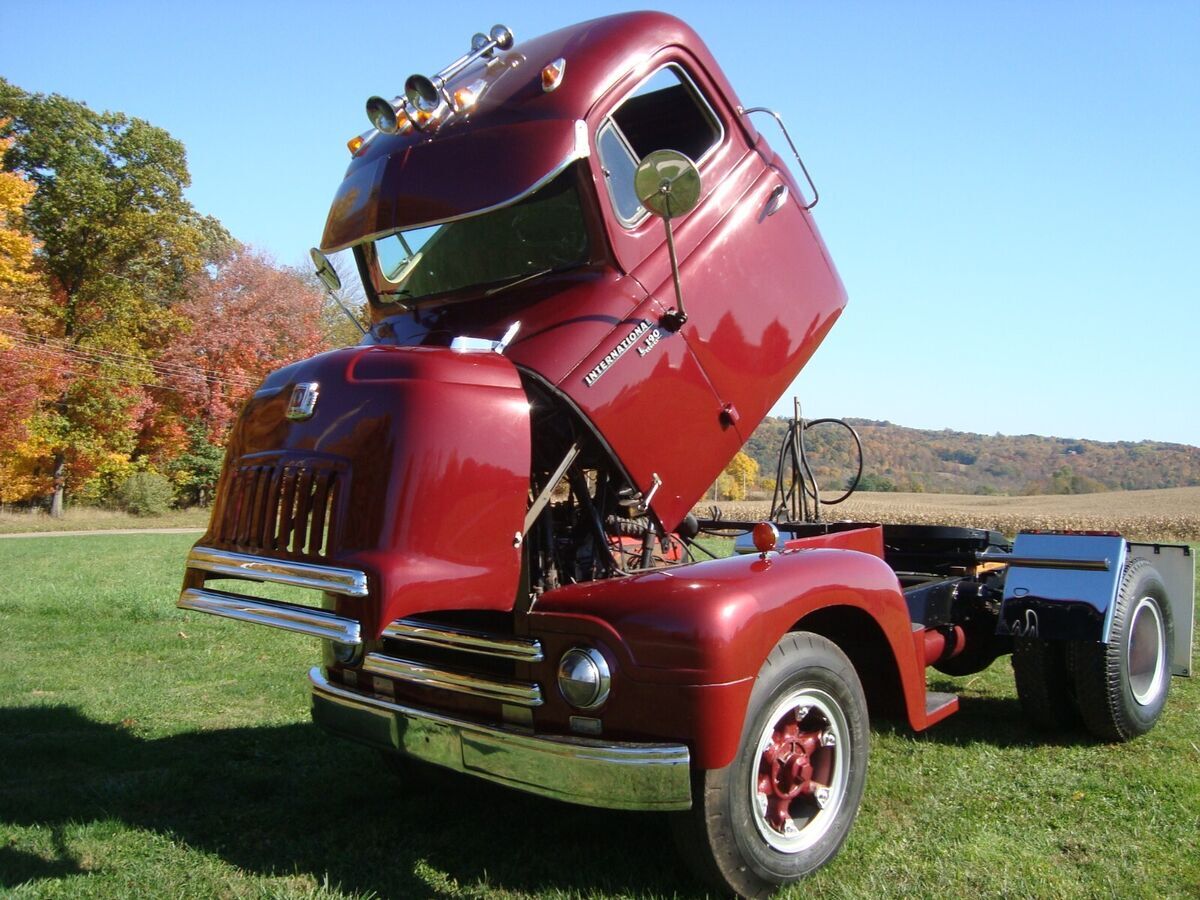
(425, 97)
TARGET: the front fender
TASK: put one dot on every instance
(713, 623)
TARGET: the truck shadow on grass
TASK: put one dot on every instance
(982, 719)
(287, 799)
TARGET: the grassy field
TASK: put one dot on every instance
(83, 518)
(149, 752)
(1172, 514)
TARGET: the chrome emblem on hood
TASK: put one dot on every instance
(304, 400)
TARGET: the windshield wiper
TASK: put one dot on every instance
(519, 280)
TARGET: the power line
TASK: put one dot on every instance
(32, 364)
(199, 374)
(126, 361)
(105, 356)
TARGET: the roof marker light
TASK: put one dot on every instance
(357, 144)
(552, 75)
(466, 97)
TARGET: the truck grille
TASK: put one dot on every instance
(282, 506)
(425, 655)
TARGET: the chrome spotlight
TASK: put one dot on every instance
(382, 115)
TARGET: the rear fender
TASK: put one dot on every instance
(1070, 592)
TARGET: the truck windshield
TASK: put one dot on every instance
(543, 233)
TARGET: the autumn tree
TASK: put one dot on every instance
(23, 373)
(739, 477)
(118, 244)
(250, 316)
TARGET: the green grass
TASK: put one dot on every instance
(145, 751)
(87, 518)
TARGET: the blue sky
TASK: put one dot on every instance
(1010, 190)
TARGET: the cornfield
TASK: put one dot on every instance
(1160, 515)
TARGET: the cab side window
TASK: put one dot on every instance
(666, 112)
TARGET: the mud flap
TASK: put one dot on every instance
(1176, 565)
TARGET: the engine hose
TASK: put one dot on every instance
(790, 500)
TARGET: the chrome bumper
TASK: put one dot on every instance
(275, 613)
(350, 582)
(592, 773)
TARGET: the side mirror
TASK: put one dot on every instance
(668, 185)
(329, 277)
(325, 270)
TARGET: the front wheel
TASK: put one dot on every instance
(784, 806)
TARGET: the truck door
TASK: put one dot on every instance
(757, 284)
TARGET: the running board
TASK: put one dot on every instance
(938, 706)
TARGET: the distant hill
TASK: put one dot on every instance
(909, 459)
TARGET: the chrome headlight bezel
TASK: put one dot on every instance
(584, 678)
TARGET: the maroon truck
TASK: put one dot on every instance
(589, 278)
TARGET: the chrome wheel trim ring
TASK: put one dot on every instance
(804, 834)
(1145, 652)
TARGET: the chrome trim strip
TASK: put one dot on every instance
(275, 613)
(447, 638)
(520, 693)
(578, 770)
(349, 582)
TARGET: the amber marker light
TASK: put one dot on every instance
(766, 537)
(466, 97)
(552, 75)
(355, 144)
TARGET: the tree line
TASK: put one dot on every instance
(897, 458)
(132, 327)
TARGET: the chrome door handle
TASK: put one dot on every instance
(777, 199)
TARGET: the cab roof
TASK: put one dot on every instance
(513, 140)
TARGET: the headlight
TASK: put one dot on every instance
(583, 677)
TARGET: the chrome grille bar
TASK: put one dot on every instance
(447, 638)
(519, 693)
(277, 614)
(349, 582)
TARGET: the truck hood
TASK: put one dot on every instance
(413, 467)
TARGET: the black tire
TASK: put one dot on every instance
(1044, 683)
(807, 702)
(1122, 686)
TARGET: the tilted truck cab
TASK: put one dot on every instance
(488, 501)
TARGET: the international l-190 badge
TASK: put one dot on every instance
(304, 400)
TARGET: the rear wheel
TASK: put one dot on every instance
(785, 804)
(1044, 683)
(1122, 686)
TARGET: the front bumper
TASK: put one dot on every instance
(592, 773)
